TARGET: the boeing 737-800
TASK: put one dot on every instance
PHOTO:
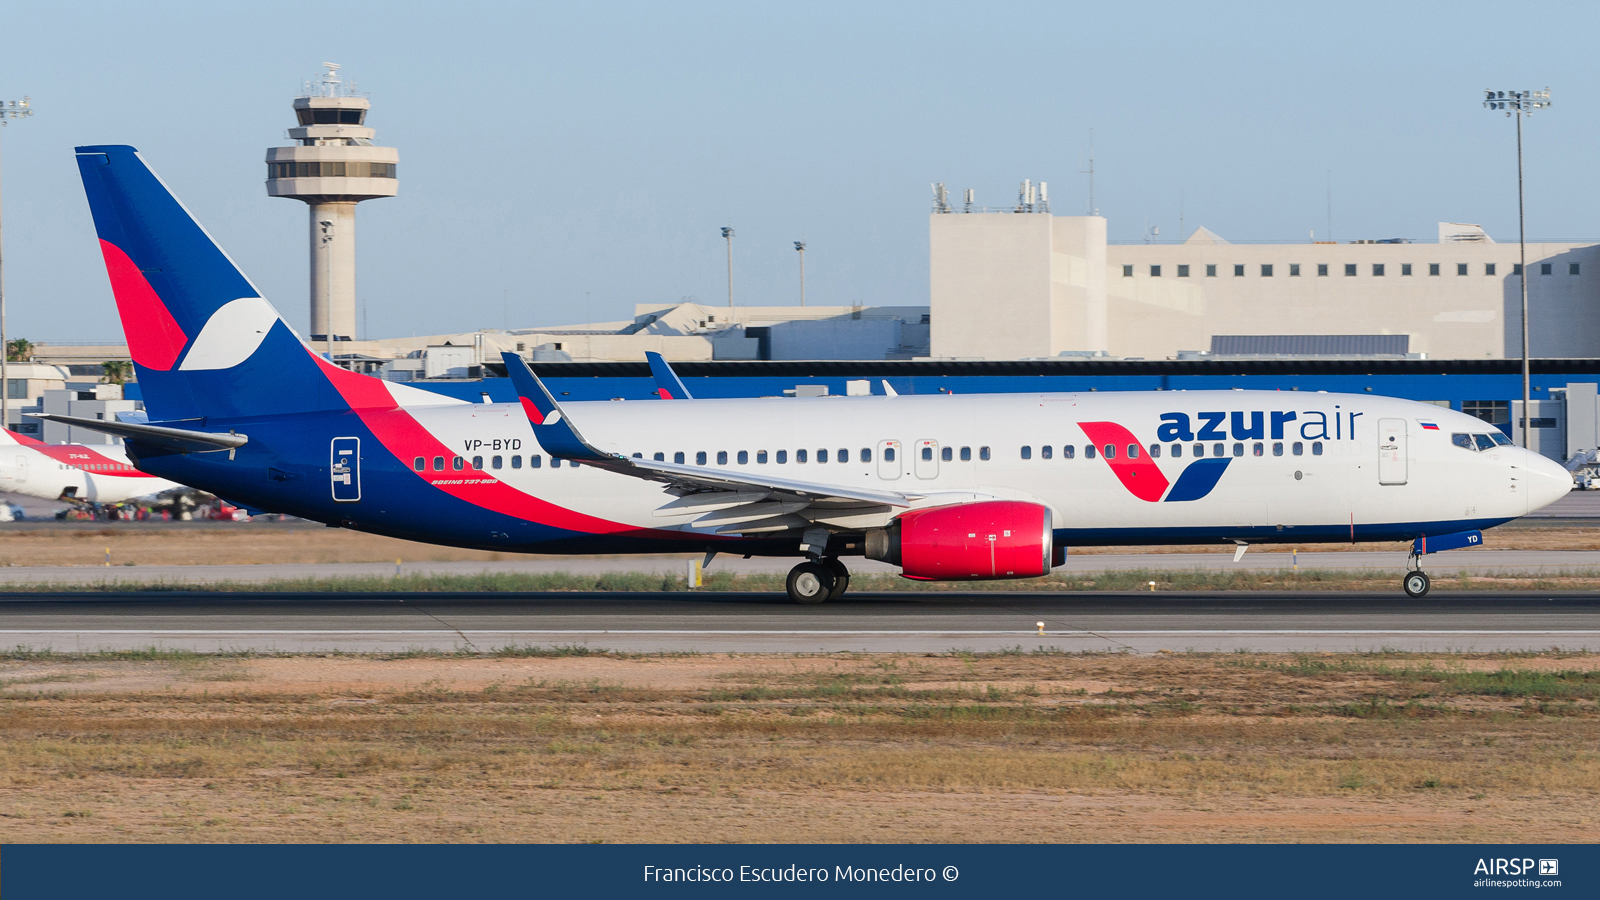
(945, 487)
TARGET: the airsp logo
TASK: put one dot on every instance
(1515, 867)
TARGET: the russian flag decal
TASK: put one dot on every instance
(1428, 426)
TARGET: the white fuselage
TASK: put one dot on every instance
(1307, 465)
(97, 474)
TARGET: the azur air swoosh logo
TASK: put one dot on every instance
(1143, 478)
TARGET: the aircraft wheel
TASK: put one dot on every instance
(1416, 584)
(841, 577)
(809, 582)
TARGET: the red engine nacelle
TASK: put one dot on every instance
(969, 541)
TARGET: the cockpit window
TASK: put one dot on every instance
(1501, 439)
(1464, 441)
(1484, 441)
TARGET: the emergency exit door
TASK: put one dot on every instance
(1391, 451)
(345, 469)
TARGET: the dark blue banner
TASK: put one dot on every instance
(433, 872)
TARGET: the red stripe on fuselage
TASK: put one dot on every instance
(403, 436)
(80, 457)
(1142, 477)
(154, 339)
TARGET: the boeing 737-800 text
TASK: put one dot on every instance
(945, 487)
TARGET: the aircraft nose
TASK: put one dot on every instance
(1548, 481)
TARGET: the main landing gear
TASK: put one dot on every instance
(1416, 582)
(815, 581)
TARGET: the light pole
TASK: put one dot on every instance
(801, 246)
(1518, 104)
(9, 109)
(727, 234)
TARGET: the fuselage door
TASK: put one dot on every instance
(927, 463)
(345, 469)
(1391, 451)
(889, 460)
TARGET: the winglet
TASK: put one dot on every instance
(668, 385)
(550, 425)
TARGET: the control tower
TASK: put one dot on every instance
(333, 166)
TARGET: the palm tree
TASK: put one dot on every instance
(116, 371)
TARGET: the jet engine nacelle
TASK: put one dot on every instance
(968, 541)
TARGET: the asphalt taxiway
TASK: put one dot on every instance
(755, 623)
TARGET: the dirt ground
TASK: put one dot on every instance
(253, 543)
(576, 746)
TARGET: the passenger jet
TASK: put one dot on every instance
(944, 487)
(79, 472)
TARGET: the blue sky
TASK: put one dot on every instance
(568, 161)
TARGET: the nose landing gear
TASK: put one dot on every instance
(815, 581)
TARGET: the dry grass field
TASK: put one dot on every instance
(255, 543)
(578, 746)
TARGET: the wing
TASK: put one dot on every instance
(733, 502)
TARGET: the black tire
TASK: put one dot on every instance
(809, 583)
(841, 577)
(1416, 584)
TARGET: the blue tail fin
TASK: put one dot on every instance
(204, 343)
(668, 385)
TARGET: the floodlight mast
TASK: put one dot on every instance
(801, 247)
(1517, 104)
(727, 235)
(9, 109)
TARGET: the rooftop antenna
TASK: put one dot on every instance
(1025, 196)
(1093, 210)
(968, 206)
(1044, 197)
(941, 198)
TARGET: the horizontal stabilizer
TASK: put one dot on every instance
(181, 440)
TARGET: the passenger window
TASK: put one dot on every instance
(800, 455)
(782, 457)
(1256, 449)
(555, 462)
(1027, 452)
(744, 457)
(1109, 451)
(761, 457)
(1088, 451)
(1199, 450)
(419, 463)
(1155, 451)
(1133, 451)
(1218, 450)
(1484, 441)
(927, 454)
(1068, 451)
(678, 457)
(966, 454)
(496, 462)
(1046, 451)
(866, 454)
(457, 462)
(438, 464)
(822, 455)
(534, 461)
(700, 458)
(1299, 449)
(638, 456)
(659, 457)
(1464, 441)
(1238, 449)
(1316, 448)
(477, 462)
(722, 457)
(1177, 451)
(1277, 448)
(945, 453)
(844, 455)
(983, 454)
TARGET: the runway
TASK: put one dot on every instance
(768, 623)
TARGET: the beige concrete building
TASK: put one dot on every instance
(1028, 285)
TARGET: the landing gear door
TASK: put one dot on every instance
(1391, 451)
(889, 460)
(345, 469)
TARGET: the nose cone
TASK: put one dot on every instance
(1547, 481)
